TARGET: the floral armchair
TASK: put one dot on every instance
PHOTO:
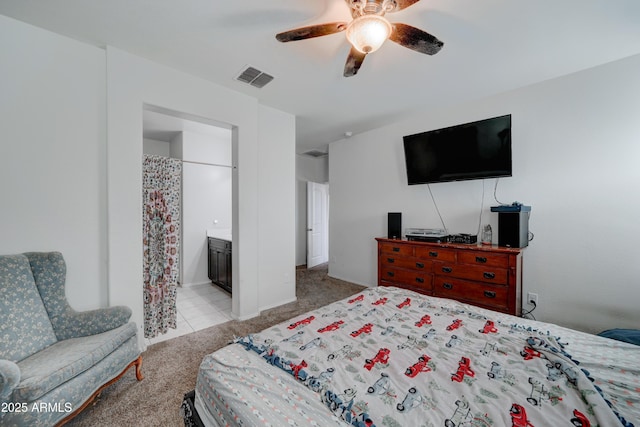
(53, 359)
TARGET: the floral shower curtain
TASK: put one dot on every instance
(161, 184)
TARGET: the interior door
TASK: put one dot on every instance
(317, 224)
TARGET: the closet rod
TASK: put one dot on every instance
(206, 164)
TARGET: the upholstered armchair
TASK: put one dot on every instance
(53, 359)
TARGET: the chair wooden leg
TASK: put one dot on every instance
(137, 363)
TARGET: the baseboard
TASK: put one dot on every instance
(245, 317)
(278, 304)
(368, 285)
(262, 309)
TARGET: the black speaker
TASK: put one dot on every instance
(394, 225)
(513, 229)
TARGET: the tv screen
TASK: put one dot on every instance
(474, 150)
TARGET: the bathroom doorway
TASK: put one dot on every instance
(204, 149)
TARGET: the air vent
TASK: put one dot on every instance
(315, 153)
(254, 77)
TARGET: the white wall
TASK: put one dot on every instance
(156, 148)
(73, 115)
(276, 199)
(575, 161)
(213, 148)
(52, 154)
(206, 197)
(133, 82)
(315, 169)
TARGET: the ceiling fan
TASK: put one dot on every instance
(368, 30)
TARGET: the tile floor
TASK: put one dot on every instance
(199, 307)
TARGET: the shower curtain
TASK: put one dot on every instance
(161, 241)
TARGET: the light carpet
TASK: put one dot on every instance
(170, 367)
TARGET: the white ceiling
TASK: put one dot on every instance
(490, 46)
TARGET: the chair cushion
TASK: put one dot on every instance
(24, 324)
(65, 360)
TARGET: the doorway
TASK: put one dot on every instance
(204, 150)
(317, 224)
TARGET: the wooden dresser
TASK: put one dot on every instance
(486, 276)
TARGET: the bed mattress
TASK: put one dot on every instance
(389, 356)
(236, 387)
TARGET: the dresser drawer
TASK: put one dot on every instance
(407, 277)
(389, 260)
(435, 253)
(486, 276)
(471, 272)
(396, 249)
(483, 258)
(485, 294)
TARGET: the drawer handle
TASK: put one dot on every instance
(419, 280)
(433, 254)
(448, 286)
(396, 249)
(481, 259)
(447, 269)
(489, 275)
(390, 273)
(419, 265)
(391, 260)
(489, 294)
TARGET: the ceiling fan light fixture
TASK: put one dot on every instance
(368, 32)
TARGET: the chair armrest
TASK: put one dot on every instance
(74, 324)
(9, 378)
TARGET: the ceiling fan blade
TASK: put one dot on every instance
(354, 62)
(415, 39)
(403, 4)
(311, 31)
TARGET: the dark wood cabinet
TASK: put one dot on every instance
(486, 276)
(219, 263)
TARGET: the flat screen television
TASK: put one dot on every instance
(473, 150)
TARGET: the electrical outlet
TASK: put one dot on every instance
(532, 299)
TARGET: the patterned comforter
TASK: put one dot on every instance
(392, 357)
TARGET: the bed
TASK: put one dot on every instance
(393, 357)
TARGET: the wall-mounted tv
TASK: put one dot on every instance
(473, 150)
